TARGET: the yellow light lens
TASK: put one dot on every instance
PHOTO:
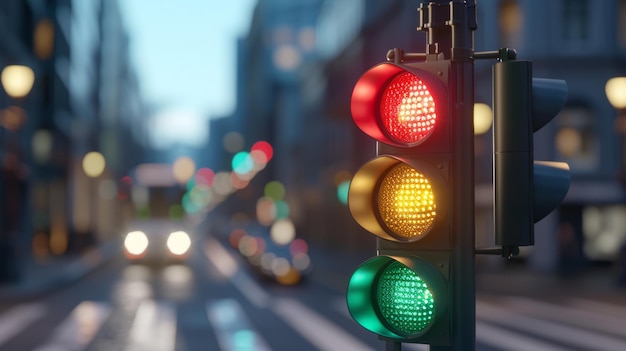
(406, 202)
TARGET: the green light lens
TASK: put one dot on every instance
(404, 300)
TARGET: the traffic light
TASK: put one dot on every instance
(405, 196)
(525, 191)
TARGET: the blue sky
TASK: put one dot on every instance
(184, 52)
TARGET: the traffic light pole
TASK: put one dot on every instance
(450, 26)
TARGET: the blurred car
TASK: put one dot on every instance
(283, 262)
(157, 241)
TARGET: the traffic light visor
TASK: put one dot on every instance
(398, 105)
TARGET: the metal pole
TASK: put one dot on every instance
(393, 346)
(450, 32)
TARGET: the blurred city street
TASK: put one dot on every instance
(103, 302)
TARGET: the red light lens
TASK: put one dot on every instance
(408, 109)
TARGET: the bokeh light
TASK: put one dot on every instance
(238, 182)
(483, 118)
(17, 80)
(282, 209)
(342, 192)
(264, 147)
(235, 236)
(242, 162)
(265, 211)
(183, 169)
(283, 231)
(274, 190)
(233, 142)
(298, 246)
(42, 143)
(205, 176)
(94, 164)
(222, 184)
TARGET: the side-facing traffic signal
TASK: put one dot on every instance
(405, 197)
(525, 191)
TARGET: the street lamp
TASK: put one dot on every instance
(17, 82)
(616, 94)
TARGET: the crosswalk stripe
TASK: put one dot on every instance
(508, 324)
(79, 328)
(603, 308)
(510, 341)
(550, 330)
(568, 315)
(232, 328)
(19, 317)
(228, 266)
(341, 306)
(154, 327)
(316, 329)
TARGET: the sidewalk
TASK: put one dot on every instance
(41, 277)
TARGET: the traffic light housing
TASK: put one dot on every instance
(525, 191)
(405, 196)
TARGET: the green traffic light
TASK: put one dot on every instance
(397, 297)
(404, 300)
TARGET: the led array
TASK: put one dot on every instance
(406, 202)
(404, 300)
(408, 109)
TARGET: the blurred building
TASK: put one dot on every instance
(584, 43)
(298, 65)
(85, 98)
(296, 71)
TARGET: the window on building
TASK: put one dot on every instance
(575, 20)
(576, 139)
(604, 231)
(510, 24)
(621, 24)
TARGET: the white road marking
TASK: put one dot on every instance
(563, 334)
(507, 340)
(320, 332)
(154, 327)
(568, 315)
(227, 265)
(231, 327)
(18, 318)
(603, 308)
(77, 331)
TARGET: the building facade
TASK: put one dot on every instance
(304, 110)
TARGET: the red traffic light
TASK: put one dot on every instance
(399, 105)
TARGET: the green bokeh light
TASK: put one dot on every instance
(242, 162)
(404, 300)
(176, 211)
(282, 209)
(274, 190)
(342, 192)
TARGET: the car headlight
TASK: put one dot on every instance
(136, 242)
(178, 243)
